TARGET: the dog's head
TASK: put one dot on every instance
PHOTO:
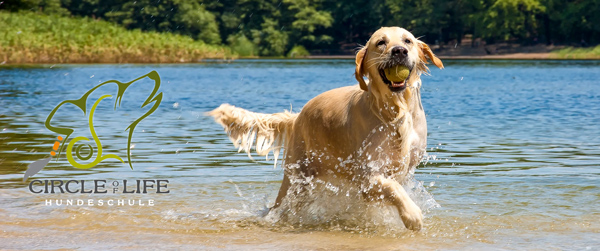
(388, 48)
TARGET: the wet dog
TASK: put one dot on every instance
(378, 126)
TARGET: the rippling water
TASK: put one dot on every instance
(514, 159)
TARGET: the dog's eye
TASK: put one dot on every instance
(407, 41)
(380, 43)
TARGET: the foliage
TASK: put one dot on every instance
(179, 16)
(298, 51)
(270, 40)
(241, 45)
(507, 19)
(29, 37)
(577, 53)
(329, 26)
(307, 20)
(45, 6)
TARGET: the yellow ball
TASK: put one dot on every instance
(397, 73)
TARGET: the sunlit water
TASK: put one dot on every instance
(514, 160)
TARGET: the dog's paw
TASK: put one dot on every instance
(412, 217)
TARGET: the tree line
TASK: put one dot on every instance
(280, 27)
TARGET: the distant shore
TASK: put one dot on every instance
(31, 38)
(505, 56)
(505, 51)
(511, 56)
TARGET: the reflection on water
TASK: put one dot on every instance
(513, 159)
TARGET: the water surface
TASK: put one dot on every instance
(514, 159)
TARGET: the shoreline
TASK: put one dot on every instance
(512, 56)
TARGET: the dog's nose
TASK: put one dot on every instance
(399, 51)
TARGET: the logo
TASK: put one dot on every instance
(75, 146)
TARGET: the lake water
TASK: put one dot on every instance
(514, 159)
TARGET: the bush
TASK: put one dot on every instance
(298, 51)
(241, 45)
(271, 40)
(27, 37)
(577, 53)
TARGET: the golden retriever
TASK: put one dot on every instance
(376, 128)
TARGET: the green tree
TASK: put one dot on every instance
(354, 21)
(241, 45)
(270, 39)
(508, 19)
(308, 22)
(178, 16)
(196, 21)
(579, 21)
(274, 27)
(256, 20)
(417, 16)
(45, 6)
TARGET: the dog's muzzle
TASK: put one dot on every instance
(398, 55)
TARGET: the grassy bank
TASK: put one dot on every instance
(577, 53)
(27, 37)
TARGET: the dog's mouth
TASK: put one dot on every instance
(395, 86)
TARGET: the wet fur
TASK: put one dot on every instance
(364, 123)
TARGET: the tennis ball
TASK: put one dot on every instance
(397, 73)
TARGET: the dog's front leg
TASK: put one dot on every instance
(285, 185)
(391, 191)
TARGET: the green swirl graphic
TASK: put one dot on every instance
(78, 152)
(153, 100)
(99, 156)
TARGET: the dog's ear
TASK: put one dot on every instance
(426, 53)
(358, 73)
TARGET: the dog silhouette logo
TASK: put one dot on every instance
(152, 101)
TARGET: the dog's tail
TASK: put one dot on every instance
(243, 127)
